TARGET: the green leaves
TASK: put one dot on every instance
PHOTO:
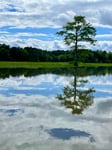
(79, 30)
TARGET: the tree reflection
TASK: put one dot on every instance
(75, 96)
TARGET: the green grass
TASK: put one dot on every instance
(35, 65)
(95, 64)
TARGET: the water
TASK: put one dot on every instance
(38, 109)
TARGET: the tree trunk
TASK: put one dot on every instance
(76, 51)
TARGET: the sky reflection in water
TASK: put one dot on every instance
(31, 117)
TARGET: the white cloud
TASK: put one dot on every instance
(104, 36)
(33, 42)
(104, 45)
(50, 14)
(105, 16)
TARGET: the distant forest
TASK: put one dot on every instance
(8, 53)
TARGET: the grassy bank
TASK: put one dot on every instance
(34, 65)
(95, 64)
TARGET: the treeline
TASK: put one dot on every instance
(8, 53)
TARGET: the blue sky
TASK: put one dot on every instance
(35, 23)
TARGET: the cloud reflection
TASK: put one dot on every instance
(66, 134)
(32, 85)
(33, 121)
(11, 112)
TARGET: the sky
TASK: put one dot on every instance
(35, 22)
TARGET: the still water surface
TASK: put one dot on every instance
(56, 109)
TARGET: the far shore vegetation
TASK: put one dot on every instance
(36, 65)
(30, 54)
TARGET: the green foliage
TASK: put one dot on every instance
(78, 31)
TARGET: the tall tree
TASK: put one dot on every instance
(79, 30)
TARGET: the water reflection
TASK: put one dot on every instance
(11, 112)
(66, 134)
(75, 96)
(32, 118)
(82, 71)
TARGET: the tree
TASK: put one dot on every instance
(77, 31)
